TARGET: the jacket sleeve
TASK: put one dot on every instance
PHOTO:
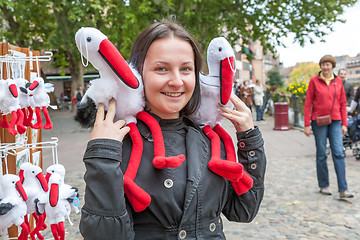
(251, 155)
(308, 103)
(343, 105)
(104, 214)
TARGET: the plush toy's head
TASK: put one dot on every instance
(55, 183)
(55, 168)
(33, 176)
(11, 186)
(221, 62)
(37, 85)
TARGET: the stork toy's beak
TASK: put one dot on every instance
(13, 90)
(21, 176)
(21, 191)
(226, 80)
(34, 85)
(54, 194)
(43, 182)
(47, 177)
(117, 63)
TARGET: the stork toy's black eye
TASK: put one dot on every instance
(220, 49)
(88, 39)
(13, 182)
(33, 171)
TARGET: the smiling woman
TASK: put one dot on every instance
(169, 62)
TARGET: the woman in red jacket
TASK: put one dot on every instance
(326, 96)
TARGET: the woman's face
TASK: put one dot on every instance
(168, 76)
(326, 68)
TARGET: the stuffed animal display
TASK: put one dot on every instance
(29, 193)
(19, 95)
(216, 88)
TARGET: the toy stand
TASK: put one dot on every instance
(16, 149)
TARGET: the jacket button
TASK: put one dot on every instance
(168, 183)
(242, 144)
(182, 234)
(252, 153)
(212, 227)
(253, 166)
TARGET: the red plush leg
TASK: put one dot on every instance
(13, 120)
(25, 122)
(227, 169)
(24, 231)
(4, 123)
(30, 116)
(38, 123)
(54, 231)
(44, 226)
(61, 230)
(244, 184)
(48, 124)
(159, 161)
(39, 222)
(19, 124)
(138, 198)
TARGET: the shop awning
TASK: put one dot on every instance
(66, 78)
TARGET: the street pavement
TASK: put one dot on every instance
(292, 207)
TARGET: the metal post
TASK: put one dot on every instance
(296, 111)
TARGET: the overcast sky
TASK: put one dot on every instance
(345, 40)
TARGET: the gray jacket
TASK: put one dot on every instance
(186, 201)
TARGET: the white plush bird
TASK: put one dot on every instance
(13, 206)
(216, 89)
(57, 206)
(9, 103)
(39, 90)
(24, 98)
(35, 186)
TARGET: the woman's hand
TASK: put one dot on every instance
(307, 131)
(241, 118)
(344, 129)
(106, 128)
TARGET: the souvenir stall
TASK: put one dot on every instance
(23, 104)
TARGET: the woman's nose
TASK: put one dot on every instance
(176, 79)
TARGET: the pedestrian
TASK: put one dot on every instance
(259, 100)
(325, 111)
(187, 201)
(78, 95)
(246, 94)
(348, 86)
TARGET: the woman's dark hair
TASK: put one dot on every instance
(164, 29)
(328, 58)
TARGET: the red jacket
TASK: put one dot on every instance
(320, 98)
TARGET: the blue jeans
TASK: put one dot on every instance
(333, 132)
(259, 113)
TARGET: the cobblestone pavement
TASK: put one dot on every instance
(292, 208)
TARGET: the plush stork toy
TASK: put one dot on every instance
(9, 103)
(35, 186)
(57, 204)
(39, 91)
(24, 99)
(216, 89)
(122, 82)
(13, 206)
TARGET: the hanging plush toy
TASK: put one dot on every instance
(57, 206)
(24, 98)
(9, 103)
(122, 82)
(39, 90)
(35, 186)
(216, 88)
(13, 206)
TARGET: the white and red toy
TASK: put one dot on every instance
(216, 88)
(57, 206)
(9, 103)
(39, 90)
(13, 206)
(35, 186)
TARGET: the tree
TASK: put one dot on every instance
(304, 71)
(51, 24)
(275, 78)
